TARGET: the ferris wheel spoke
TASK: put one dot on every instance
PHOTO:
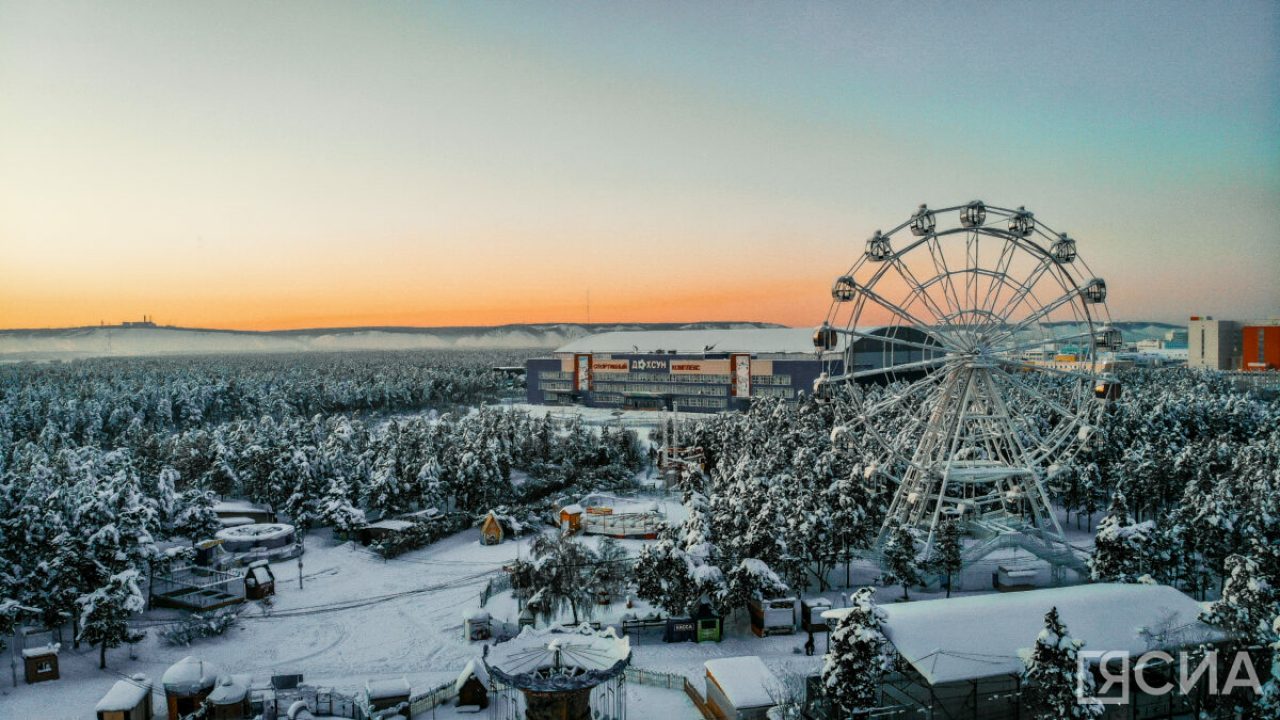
(1024, 289)
(918, 289)
(889, 369)
(1010, 362)
(890, 339)
(919, 324)
(1041, 312)
(1027, 345)
(997, 282)
(939, 257)
(1031, 393)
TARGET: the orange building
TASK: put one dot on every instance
(1261, 349)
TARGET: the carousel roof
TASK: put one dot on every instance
(559, 658)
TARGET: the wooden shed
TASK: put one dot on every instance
(259, 581)
(383, 694)
(41, 663)
(378, 531)
(571, 519)
(491, 530)
(741, 688)
(230, 699)
(186, 685)
(772, 616)
(811, 610)
(236, 512)
(477, 624)
(126, 700)
(472, 687)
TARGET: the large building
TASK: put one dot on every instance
(1251, 345)
(694, 370)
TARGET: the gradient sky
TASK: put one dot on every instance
(284, 165)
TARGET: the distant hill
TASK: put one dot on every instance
(135, 340)
(128, 341)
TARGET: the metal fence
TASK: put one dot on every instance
(495, 585)
(197, 588)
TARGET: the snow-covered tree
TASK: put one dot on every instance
(337, 510)
(1250, 596)
(561, 573)
(1269, 703)
(1054, 677)
(898, 563)
(105, 613)
(858, 658)
(947, 548)
(1122, 548)
(195, 517)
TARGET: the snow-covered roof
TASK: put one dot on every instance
(745, 681)
(124, 695)
(937, 637)
(574, 509)
(396, 525)
(39, 650)
(473, 668)
(526, 661)
(475, 614)
(386, 689)
(231, 689)
(239, 506)
(761, 341)
(189, 676)
(256, 532)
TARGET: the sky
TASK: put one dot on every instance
(290, 165)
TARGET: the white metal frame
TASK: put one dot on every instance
(986, 298)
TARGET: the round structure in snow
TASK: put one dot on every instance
(563, 673)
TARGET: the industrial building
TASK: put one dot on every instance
(1247, 345)
(698, 370)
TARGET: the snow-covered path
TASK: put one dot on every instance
(357, 617)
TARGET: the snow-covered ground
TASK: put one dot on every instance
(359, 617)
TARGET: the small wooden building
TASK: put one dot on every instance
(490, 530)
(126, 700)
(41, 663)
(259, 581)
(230, 699)
(383, 529)
(811, 610)
(472, 687)
(383, 694)
(236, 512)
(772, 616)
(741, 688)
(477, 624)
(571, 519)
(186, 685)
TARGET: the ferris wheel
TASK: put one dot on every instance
(995, 331)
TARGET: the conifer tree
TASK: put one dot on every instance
(1056, 683)
(947, 548)
(195, 517)
(898, 560)
(858, 658)
(105, 613)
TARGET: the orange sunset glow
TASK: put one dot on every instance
(295, 166)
